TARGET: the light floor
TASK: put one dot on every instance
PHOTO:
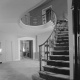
(19, 70)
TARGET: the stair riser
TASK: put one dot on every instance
(61, 48)
(59, 64)
(60, 53)
(48, 77)
(58, 71)
(59, 58)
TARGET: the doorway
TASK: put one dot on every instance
(26, 49)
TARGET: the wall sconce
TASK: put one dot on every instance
(0, 50)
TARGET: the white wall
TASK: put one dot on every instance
(9, 47)
(41, 38)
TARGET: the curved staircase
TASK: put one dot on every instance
(54, 54)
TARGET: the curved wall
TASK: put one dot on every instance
(58, 6)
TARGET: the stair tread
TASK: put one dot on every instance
(62, 43)
(63, 31)
(64, 34)
(56, 60)
(60, 36)
(60, 50)
(62, 27)
(61, 55)
(61, 46)
(66, 68)
(62, 39)
(55, 75)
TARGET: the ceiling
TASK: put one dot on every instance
(10, 13)
(11, 10)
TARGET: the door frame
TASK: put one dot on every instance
(34, 46)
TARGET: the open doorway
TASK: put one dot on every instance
(26, 49)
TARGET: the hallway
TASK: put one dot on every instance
(19, 70)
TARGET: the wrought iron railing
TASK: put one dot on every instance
(46, 47)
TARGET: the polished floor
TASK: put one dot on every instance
(19, 70)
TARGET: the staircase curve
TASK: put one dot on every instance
(54, 54)
(48, 26)
(38, 29)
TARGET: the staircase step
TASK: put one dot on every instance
(52, 76)
(55, 61)
(59, 57)
(62, 41)
(62, 44)
(56, 70)
(63, 68)
(58, 63)
(61, 48)
(62, 34)
(63, 37)
(60, 53)
(62, 29)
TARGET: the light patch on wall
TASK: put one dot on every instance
(0, 48)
